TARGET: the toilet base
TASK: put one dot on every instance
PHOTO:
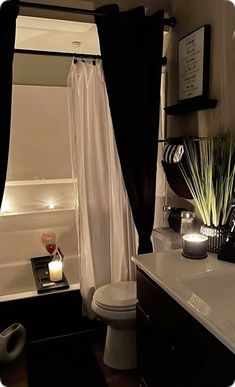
(120, 348)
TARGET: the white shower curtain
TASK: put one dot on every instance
(106, 233)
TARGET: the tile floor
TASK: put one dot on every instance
(79, 356)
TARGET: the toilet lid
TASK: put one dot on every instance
(119, 295)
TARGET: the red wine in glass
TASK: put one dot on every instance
(50, 247)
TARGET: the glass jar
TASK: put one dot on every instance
(166, 213)
(187, 222)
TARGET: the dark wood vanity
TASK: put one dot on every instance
(174, 349)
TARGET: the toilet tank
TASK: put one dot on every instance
(165, 239)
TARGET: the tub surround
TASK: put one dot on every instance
(17, 280)
(204, 288)
(53, 313)
(44, 316)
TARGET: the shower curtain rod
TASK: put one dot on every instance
(56, 53)
(65, 54)
(172, 139)
(167, 22)
(50, 7)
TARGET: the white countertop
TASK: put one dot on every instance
(205, 288)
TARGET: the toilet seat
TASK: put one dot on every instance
(120, 296)
(117, 309)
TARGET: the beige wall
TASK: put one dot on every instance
(190, 15)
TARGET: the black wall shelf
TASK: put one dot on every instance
(191, 105)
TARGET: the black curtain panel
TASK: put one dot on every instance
(131, 49)
(8, 13)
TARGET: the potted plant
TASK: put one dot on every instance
(210, 176)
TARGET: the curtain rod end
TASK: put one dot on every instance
(170, 21)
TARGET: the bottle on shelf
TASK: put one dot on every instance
(166, 213)
(187, 222)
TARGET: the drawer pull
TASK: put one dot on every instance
(144, 313)
(143, 382)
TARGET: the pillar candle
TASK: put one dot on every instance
(55, 270)
(195, 246)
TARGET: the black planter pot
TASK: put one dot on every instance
(216, 236)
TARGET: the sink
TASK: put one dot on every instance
(214, 290)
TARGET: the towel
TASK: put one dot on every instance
(173, 153)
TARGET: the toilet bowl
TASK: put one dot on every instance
(115, 304)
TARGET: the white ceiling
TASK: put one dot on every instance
(36, 33)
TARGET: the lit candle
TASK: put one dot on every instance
(55, 270)
(195, 246)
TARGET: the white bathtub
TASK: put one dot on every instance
(17, 280)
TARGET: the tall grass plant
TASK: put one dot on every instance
(210, 176)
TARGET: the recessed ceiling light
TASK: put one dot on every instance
(76, 43)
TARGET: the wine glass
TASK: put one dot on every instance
(50, 248)
(49, 241)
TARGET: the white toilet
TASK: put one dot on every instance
(115, 304)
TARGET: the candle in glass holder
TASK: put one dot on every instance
(55, 270)
(195, 246)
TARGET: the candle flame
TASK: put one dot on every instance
(195, 238)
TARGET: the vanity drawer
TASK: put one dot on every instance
(158, 361)
(163, 323)
(161, 308)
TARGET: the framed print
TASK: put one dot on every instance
(194, 64)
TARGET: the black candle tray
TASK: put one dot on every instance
(42, 278)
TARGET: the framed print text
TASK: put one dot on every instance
(194, 64)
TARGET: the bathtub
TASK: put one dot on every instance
(17, 280)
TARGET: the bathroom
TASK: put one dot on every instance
(39, 193)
